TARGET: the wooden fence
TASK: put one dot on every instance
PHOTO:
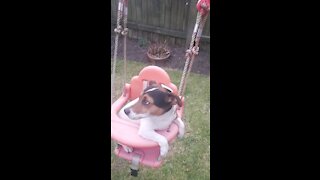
(159, 20)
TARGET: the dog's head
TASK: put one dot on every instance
(155, 100)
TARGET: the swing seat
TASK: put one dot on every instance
(125, 132)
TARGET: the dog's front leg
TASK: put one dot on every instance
(181, 126)
(161, 140)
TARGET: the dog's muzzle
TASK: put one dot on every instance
(132, 115)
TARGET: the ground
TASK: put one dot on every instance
(136, 51)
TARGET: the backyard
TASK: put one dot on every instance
(137, 48)
(188, 158)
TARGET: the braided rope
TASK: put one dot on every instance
(195, 49)
(188, 53)
(124, 33)
(117, 30)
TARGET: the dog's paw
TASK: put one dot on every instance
(163, 153)
(181, 131)
(127, 149)
(160, 158)
(164, 150)
(181, 134)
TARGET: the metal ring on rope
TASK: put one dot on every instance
(125, 31)
(118, 29)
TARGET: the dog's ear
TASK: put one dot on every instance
(174, 99)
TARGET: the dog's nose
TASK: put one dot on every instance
(127, 111)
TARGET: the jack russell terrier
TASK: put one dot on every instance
(156, 109)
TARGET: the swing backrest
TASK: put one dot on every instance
(150, 73)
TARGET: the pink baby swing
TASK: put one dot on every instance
(123, 132)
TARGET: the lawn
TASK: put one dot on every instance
(188, 158)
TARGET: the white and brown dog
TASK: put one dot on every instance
(156, 109)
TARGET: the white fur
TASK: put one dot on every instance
(150, 123)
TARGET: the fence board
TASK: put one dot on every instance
(149, 14)
(130, 10)
(159, 20)
(138, 9)
(158, 30)
(167, 14)
(180, 15)
(206, 29)
(144, 12)
(161, 14)
(173, 15)
(113, 9)
(133, 10)
(155, 11)
(185, 15)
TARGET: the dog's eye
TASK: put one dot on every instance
(145, 102)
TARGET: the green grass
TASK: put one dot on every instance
(188, 158)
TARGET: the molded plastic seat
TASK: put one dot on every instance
(126, 132)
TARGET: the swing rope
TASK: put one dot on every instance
(202, 15)
(124, 33)
(122, 12)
